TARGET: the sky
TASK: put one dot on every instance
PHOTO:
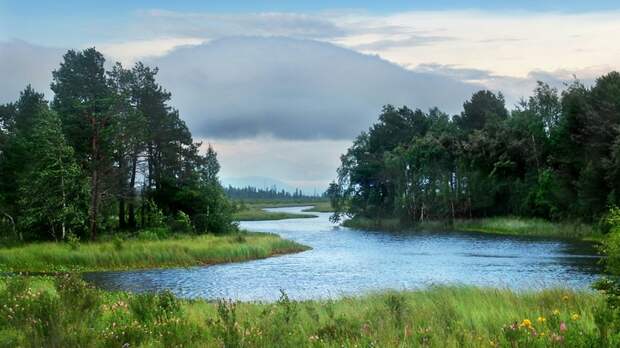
(281, 88)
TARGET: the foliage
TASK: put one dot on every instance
(553, 157)
(67, 312)
(110, 155)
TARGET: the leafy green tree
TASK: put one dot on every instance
(53, 192)
(84, 102)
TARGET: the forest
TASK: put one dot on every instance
(252, 193)
(555, 156)
(107, 154)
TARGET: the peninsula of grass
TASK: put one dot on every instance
(512, 226)
(177, 251)
(65, 312)
(320, 207)
(259, 214)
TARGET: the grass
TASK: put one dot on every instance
(529, 227)
(258, 214)
(320, 207)
(65, 313)
(514, 226)
(184, 250)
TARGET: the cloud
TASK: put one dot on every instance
(211, 25)
(22, 63)
(128, 52)
(300, 164)
(293, 89)
(414, 40)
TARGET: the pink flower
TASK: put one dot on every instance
(563, 327)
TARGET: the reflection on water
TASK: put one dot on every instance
(344, 261)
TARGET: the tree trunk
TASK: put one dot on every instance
(131, 223)
(94, 204)
(122, 224)
(63, 228)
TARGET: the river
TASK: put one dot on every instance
(346, 261)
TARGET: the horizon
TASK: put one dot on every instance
(272, 56)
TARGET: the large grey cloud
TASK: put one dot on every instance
(294, 89)
(211, 25)
(22, 63)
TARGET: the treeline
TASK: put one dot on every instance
(555, 156)
(251, 192)
(107, 154)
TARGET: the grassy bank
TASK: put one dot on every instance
(258, 214)
(66, 313)
(320, 207)
(513, 226)
(180, 251)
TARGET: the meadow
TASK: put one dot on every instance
(150, 249)
(66, 312)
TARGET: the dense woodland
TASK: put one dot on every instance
(253, 193)
(555, 156)
(107, 154)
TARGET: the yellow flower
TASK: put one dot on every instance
(526, 323)
(556, 312)
(541, 320)
(565, 298)
(575, 317)
(542, 334)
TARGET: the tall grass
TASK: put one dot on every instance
(529, 227)
(69, 313)
(185, 250)
(515, 226)
(258, 214)
(320, 207)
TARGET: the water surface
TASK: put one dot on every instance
(346, 261)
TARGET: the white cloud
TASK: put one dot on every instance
(129, 52)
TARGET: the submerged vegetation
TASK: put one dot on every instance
(149, 249)
(66, 312)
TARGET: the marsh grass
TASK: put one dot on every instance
(529, 227)
(258, 214)
(514, 226)
(184, 250)
(320, 207)
(440, 316)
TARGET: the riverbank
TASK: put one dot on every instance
(139, 253)
(66, 312)
(320, 207)
(513, 226)
(253, 213)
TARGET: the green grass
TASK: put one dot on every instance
(529, 227)
(373, 224)
(320, 207)
(258, 214)
(514, 226)
(68, 314)
(138, 254)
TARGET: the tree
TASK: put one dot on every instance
(52, 188)
(84, 102)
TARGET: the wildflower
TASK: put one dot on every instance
(565, 298)
(556, 312)
(563, 327)
(575, 317)
(541, 320)
(526, 323)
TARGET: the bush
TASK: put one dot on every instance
(180, 223)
